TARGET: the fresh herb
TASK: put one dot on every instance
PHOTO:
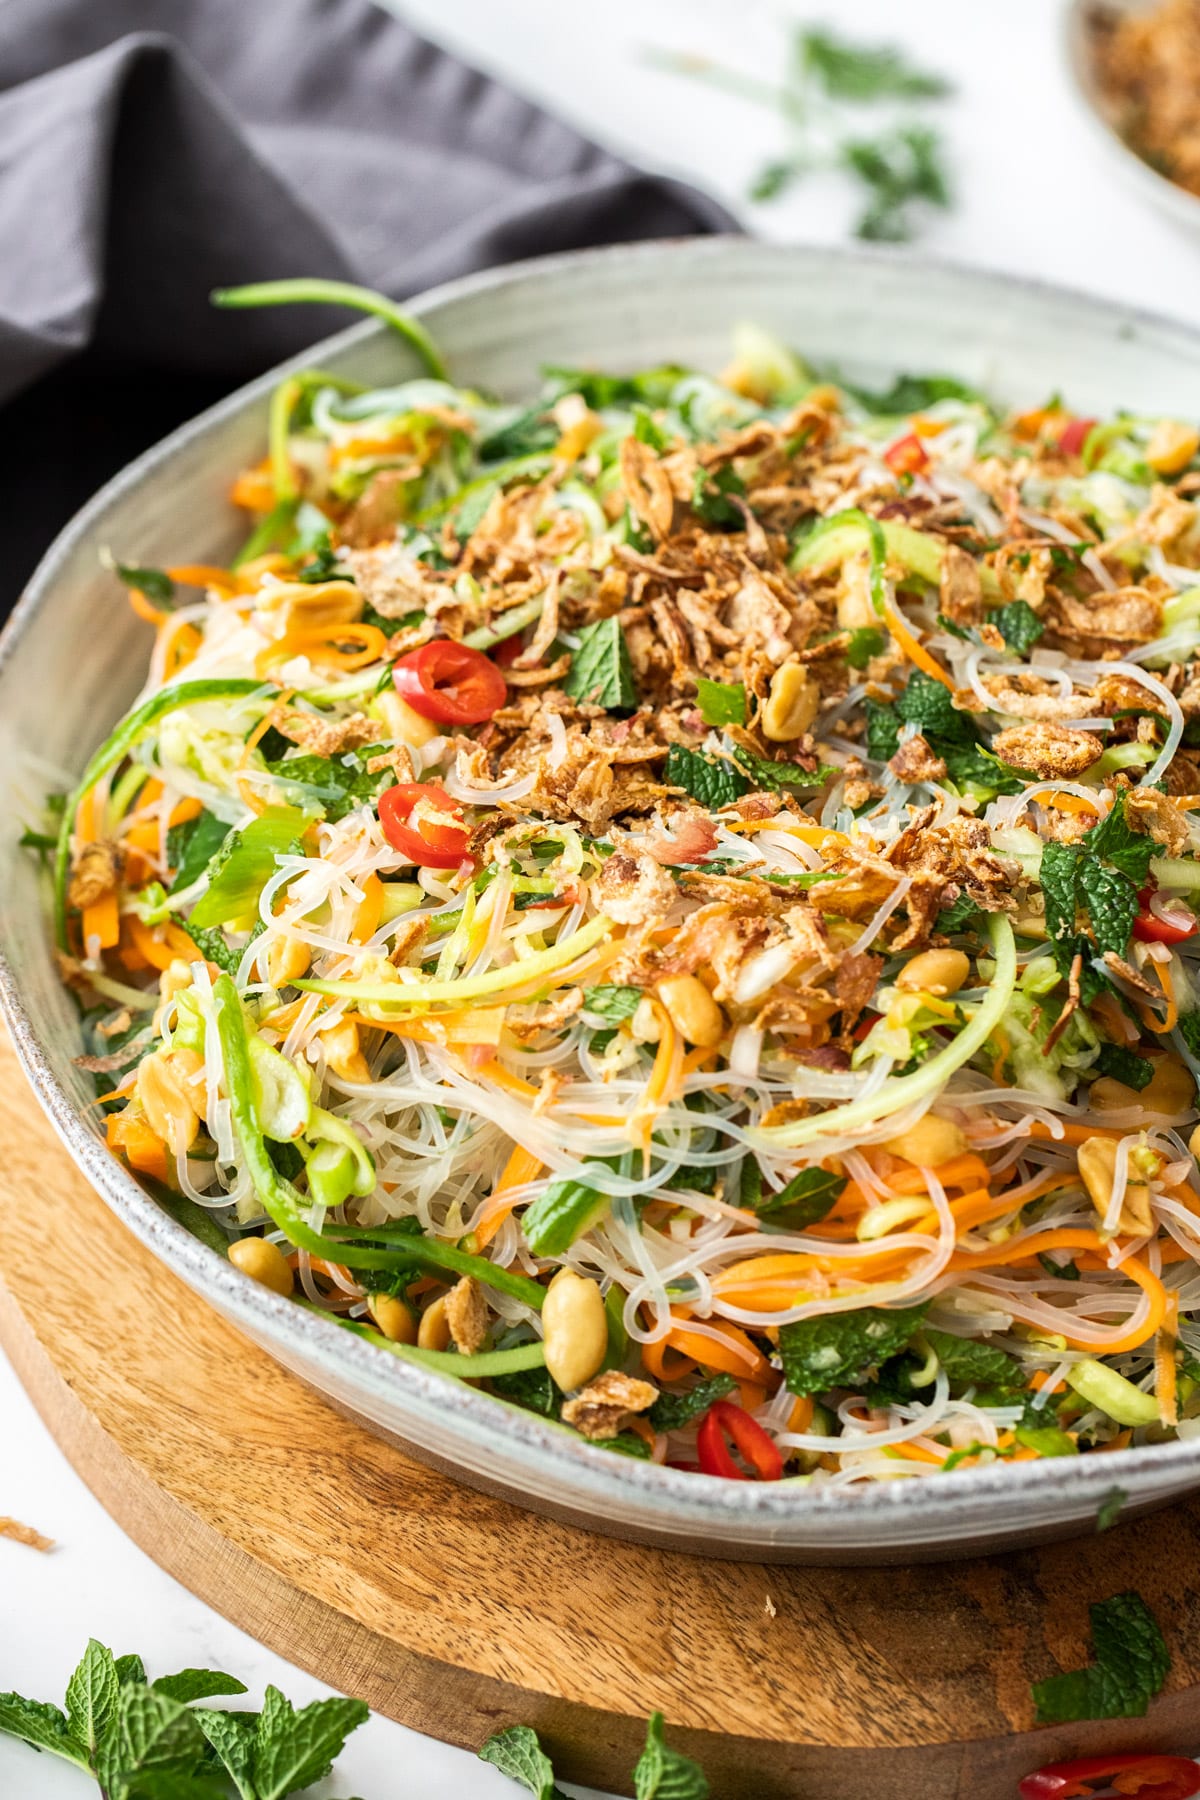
(827, 81)
(929, 705)
(612, 1004)
(913, 394)
(1112, 904)
(601, 672)
(958, 916)
(533, 1389)
(711, 496)
(1071, 878)
(672, 1412)
(1061, 1271)
(192, 846)
(808, 1198)
(970, 1364)
(245, 863)
(773, 777)
(1125, 1066)
(1131, 1666)
(652, 387)
(36, 840)
(1127, 850)
(866, 642)
(518, 1754)
(973, 766)
(342, 782)
(531, 431)
(1018, 625)
(1189, 1031)
(714, 781)
(1110, 1508)
(210, 942)
(145, 1741)
(721, 702)
(665, 1774)
(840, 1349)
(156, 584)
(883, 730)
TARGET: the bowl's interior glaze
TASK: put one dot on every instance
(74, 657)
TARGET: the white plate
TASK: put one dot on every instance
(73, 656)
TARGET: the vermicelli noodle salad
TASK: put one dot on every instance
(672, 900)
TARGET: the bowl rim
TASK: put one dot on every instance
(1152, 183)
(749, 1515)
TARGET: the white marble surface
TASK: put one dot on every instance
(1036, 195)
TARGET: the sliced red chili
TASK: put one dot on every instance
(1159, 922)
(1074, 436)
(755, 1446)
(1142, 1773)
(907, 455)
(450, 683)
(422, 822)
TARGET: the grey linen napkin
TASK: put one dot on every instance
(151, 150)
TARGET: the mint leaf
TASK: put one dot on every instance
(1127, 850)
(671, 1412)
(1132, 1661)
(1110, 1508)
(1018, 625)
(710, 496)
(1189, 1031)
(601, 672)
(213, 947)
(866, 642)
(130, 1668)
(231, 1735)
(192, 846)
(864, 72)
(175, 1784)
(612, 1004)
(341, 784)
(41, 1725)
(969, 1363)
(840, 1349)
(957, 916)
(721, 702)
(929, 704)
(807, 1199)
(970, 765)
(147, 1732)
(883, 730)
(518, 1754)
(156, 584)
(1059, 877)
(665, 1774)
(294, 1749)
(1112, 904)
(767, 774)
(714, 781)
(1125, 1066)
(197, 1684)
(92, 1695)
(533, 1389)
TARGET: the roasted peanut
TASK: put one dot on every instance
(1172, 446)
(342, 1054)
(393, 1318)
(403, 723)
(288, 958)
(575, 1329)
(792, 704)
(1170, 1090)
(1194, 1142)
(170, 1098)
(935, 972)
(1097, 1169)
(692, 1010)
(433, 1332)
(929, 1143)
(264, 1262)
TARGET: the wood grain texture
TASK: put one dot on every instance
(457, 1613)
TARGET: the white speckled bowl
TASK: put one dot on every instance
(621, 307)
(1139, 176)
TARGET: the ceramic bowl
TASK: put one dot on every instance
(624, 307)
(1177, 202)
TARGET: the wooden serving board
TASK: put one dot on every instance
(458, 1614)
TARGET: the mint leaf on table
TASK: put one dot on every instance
(294, 1749)
(231, 1737)
(41, 1725)
(147, 1733)
(1125, 1066)
(840, 1349)
(197, 1684)
(721, 702)
(866, 72)
(1132, 1662)
(671, 1412)
(1110, 1508)
(601, 672)
(714, 781)
(92, 1695)
(808, 1198)
(665, 1774)
(1018, 625)
(130, 1668)
(518, 1754)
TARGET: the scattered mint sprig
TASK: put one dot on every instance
(144, 1740)
(661, 1773)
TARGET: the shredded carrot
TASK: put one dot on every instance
(664, 1080)
(370, 910)
(1165, 1367)
(206, 575)
(182, 646)
(145, 609)
(731, 1353)
(913, 648)
(325, 646)
(102, 921)
(1149, 1019)
(163, 945)
(1071, 1239)
(522, 1166)
(254, 488)
(801, 1415)
(142, 1149)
